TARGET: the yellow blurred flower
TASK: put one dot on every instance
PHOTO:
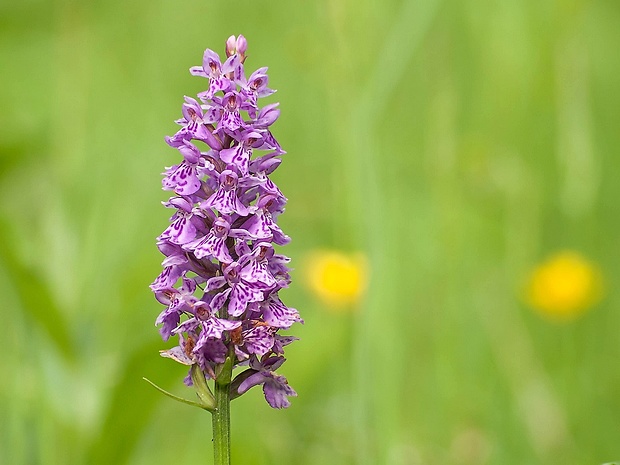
(336, 278)
(564, 286)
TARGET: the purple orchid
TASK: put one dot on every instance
(240, 154)
(243, 287)
(213, 69)
(278, 315)
(254, 88)
(195, 120)
(275, 387)
(221, 273)
(213, 245)
(225, 198)
(257, 340)
(185, 178)
(184, 223)
(178, 301)
(262, 224)
(231, 119)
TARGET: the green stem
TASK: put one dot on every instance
(221, 415)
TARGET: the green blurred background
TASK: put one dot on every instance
(455, 143)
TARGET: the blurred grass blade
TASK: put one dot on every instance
(36, 298)
(130, 409)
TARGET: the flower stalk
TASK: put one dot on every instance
(221, 415)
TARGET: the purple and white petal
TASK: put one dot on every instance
(214, 327)
(178, 355)
(215, 283)
(251, 381)
(258, 340)
(279, 315)
(181, 231)
(277, 391)
(218, 300)
(242, 294)
(258, 226)
(167, 278)
(238, 156)
(169, 318)
(183, 180)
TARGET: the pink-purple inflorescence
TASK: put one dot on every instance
(221, 273)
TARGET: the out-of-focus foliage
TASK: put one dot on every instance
(456, 144)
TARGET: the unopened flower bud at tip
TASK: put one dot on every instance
(238, 45)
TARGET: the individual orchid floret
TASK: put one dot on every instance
(253, 338)
(225, 199)
(242, 287)
(262, 224)
(185, 178)
(213, 245)
(278, 315)
(195, 120)
(179, 301)
(267, 116)
(213, 69)
(183, 224)
(170, 275)
(230, 119)
(240, 154)
(254, 88)
(256, 262)
(275, 387)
